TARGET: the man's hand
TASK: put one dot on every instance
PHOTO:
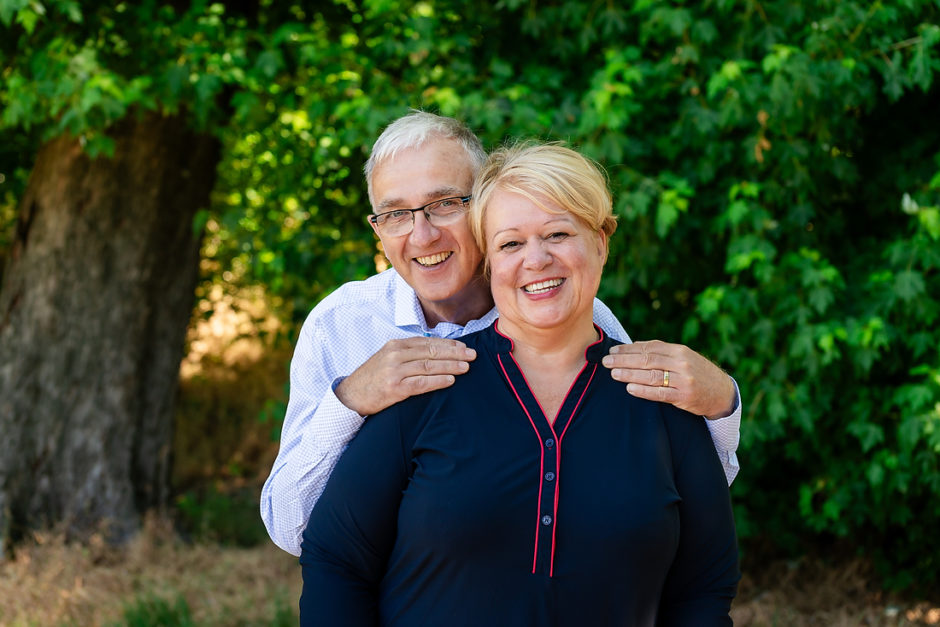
(403, 368)
(695, 384)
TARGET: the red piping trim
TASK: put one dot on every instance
(551, 568)
(538, 513)
(551, 427)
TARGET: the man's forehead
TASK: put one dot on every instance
(444, 191)
(436, 169)
(433, 148)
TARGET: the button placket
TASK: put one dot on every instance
(550, 453)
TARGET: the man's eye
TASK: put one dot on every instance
(395, 216)
(448, 206)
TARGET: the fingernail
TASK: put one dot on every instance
(470, 353)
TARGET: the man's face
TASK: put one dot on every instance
(440, 263)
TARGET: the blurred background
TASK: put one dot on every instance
(181, 182)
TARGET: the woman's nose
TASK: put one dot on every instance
(536, 255)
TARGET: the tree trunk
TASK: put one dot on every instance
(96, 296)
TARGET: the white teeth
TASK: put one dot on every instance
(433, 260)
(542, 286)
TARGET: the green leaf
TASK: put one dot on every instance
(909, 432)
(908, 285)
(868, 434)
(10, 8)
(269, 63)
(27, 19)
(200, 219)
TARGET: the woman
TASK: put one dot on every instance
(532, 491)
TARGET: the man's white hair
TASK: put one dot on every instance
(413, 130)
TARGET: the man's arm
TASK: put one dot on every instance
(695, 384)
(319, 424)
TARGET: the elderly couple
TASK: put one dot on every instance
(508, 477)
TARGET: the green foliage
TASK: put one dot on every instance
(153, 611)
(776, 170)
(229, 518)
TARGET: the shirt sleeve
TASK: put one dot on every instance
(353, 526)
(703, 578)
(317, 427)
(726, 434)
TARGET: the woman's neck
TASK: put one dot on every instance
(550, 359)
(560, 348)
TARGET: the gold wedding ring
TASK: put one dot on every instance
(665, 378)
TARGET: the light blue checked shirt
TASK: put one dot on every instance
(344, 330)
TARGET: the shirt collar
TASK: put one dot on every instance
(408, 313)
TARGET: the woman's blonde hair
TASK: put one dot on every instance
(544, 172)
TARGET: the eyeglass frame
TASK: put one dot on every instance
(373, 218)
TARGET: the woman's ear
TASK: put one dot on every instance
(602, 246)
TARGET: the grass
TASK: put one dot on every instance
(156, 579)
(811, 591)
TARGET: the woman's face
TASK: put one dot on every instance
(544, 267)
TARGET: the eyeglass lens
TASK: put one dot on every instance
(439, 213)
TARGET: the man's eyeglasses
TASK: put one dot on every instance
(441, 212)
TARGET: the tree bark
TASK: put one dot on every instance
(96, 296)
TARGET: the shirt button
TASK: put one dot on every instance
(549, 443)
(549, 476)
(546, 520)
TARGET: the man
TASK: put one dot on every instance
(376, 342)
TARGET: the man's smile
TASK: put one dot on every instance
(433, 260)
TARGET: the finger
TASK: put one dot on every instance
(651, 378)
(665, 395)
(441, 348)
(640, 361)
(428, 367)
(646, 346)
(421, 384)
(434, 348)
(421, 340)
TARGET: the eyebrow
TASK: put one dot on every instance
(561, 218)
(440, 192)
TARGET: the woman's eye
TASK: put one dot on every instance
(558, 236)
(508, 245)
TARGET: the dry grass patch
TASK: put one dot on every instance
(807, 592)
(50, 582)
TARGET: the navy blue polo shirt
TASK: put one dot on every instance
(465, 506)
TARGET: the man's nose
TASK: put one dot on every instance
(423, 232)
